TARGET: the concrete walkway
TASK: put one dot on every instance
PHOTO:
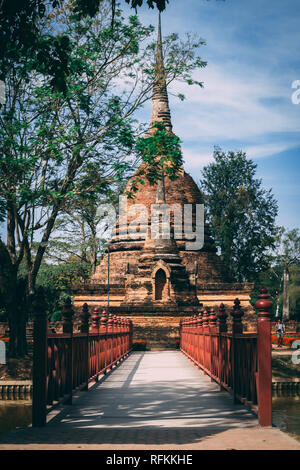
(153, 400)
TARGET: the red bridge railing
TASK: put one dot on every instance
(64, 362)
(239, 362)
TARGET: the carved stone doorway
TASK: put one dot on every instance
(161, 286)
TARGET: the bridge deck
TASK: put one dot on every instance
(152, 400)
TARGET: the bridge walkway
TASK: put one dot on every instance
(152, 400)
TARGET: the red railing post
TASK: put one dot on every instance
(222, 341)
(212, 321)
(264, 375)
(123, 336)
(103, 340)
(119, 331)
(205, 326)
(198, 331)
(126, 337)
(115, 336)
(84, 328)
(213, 345)
(180, 334)
(193, 343)
(185, 328)
(237, 314)
(96, 340)
(237, 328)
(222, 319)
(84, 319)
(95, 320)
(40, 357)
(110, 340)
(67, 317)
(201, 338)
(130, 334)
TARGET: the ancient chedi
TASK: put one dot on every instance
(153, 280)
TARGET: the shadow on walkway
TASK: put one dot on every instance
(151, 398)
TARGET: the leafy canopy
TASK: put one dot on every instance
(20, 34)
(241, 213)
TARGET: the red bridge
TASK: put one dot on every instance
(239, 362)
(92, 390)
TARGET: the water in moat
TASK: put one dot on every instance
(286, 413)
(14, 414)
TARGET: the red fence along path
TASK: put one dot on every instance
(239, 362)
(66, 361)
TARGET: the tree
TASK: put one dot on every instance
(241, 213)
(271, 279)
(287, 254)
(76, 230)
(57, 281)
(294, 292)
(60, 145)
(20, 34)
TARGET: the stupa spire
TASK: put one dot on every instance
(160, 102)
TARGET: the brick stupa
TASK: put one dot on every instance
(157, 281)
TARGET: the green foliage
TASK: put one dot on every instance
(287, 249)
(161, 4)
(272, 279)
(20, 35)
(294, 301)
(57, 281)
(56, 316)
(287, 257)
(241, 213)
(161, 155)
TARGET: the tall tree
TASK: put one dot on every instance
(58, 145)
(241, 213)
(287, 254)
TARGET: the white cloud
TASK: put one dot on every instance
(267, 150)
(235, 104)
(195, 160)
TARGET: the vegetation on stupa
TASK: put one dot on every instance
(161, 156)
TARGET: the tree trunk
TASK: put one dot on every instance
(285, 306)
(17, 317)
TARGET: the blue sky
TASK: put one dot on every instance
(252, 50)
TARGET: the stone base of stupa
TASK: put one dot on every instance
(158, 322)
